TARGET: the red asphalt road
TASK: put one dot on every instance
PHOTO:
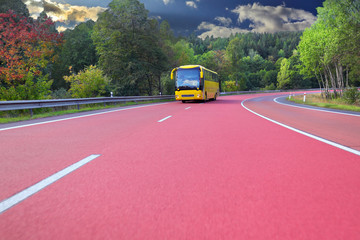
(213, 171)
(340, 128)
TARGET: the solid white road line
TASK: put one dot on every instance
(314, 109)
(304, 133)
(21, 196)
(164, 119)
(87, 115)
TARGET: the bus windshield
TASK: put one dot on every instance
(188, 79)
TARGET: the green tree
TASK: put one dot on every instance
(235, 51)
(208, 60)
(283, 78)
(165, 31)
(128, 47)
(90, 82)
(329, 49)
(183, 53)
(230, 86)
(269, 79)
(77, 52)
(281, 53)
(237, 82)
(290, 77)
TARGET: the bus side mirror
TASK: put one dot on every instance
(172, 73)
(201, 74)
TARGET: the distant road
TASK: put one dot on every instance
(218, 170)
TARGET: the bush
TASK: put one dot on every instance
(230, 86)
(168, 85)
(351, 95)
(33, 88)
(88, 83)
(60, 94)
(270, 87)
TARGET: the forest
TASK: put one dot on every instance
(128, 53)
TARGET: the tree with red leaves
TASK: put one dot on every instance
(26, 49)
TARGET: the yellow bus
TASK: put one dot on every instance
(194, 82)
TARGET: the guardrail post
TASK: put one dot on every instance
(78, 106)
(31, 113)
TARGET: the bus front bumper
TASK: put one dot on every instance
(189, 95)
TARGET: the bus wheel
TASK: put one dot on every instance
(205, 97)
(183, 101)
(215, 96)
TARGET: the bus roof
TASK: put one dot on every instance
(195, 66)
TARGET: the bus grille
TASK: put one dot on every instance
(189, 95)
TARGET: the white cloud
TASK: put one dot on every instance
(166, 2)
(156, 17)
(274, 19)
(263, 19)
(218, 31)
(191, 4)
(224, 21)
(61, 29)
(63, 12)
(35, 7)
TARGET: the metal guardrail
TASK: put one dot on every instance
(245, 92)
(270, 91)
(33, 104)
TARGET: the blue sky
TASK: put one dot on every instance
(219, 18)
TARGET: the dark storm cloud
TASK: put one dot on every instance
(77, 14)
(204, 17)
(50, 7)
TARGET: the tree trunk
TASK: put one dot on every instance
(347, 76)
(319, 82)
(326, 84)
(160, 90)
(339, 77)
(150, 85)
(332, 79)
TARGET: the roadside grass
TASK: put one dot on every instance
(318, 101)
(23, 115)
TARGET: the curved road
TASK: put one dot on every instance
(333, 125)
(179, 171)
